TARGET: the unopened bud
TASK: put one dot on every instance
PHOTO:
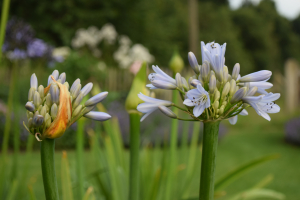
(30, 123)
(88, 109)
(225, 74)
(77, 110)
(62, 77)
(195, 82)
(76, 92)
(216, 105)
(29, 114)
(86, 89)
(41, 91)
(67, 85)
(236, 71)
(221, 110)
(43, 111)
(205, 69)
(184, 84)
(178, 81)
(37, 99)
(74, 85)
(167, 111)
(212, 83)
(232, 87)
(96, 99)
(38, 120)
(48, 100)
(224, 103)
(217, 95)
(193, 62)
(54, 91)
(29, 106)
(47, 120)
(33, 81)
(238, 95)
(31, 94)
(225, 90)
(229, 78)
(252, 91)
(78, 100)
(54, 110)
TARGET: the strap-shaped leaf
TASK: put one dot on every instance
(235, 174)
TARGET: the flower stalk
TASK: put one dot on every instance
(134, 155)
(208, 163)
(48, 169)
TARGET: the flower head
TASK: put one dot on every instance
(213, 94)
(51, 110)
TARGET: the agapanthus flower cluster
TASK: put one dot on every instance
(213, 93)
(52, 109)
(20, 43)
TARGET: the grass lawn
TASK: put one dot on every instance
(252, 137)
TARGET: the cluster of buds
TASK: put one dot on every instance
(52, 109)
(212, 93)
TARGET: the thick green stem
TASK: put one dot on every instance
(208, 164)
(79, 154)
(48, 169)
(173, 152)
(5, 10)
(134, 156)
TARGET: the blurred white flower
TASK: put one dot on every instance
(101, 66)
(61, 52)
(108, 33)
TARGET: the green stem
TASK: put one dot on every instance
(48, 169)
(5, 9)
(79, 153)
(173, 150)
(209, 153)
(134, 156)
(7, 127)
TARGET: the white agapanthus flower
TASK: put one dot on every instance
(161, 80)
(150, 105)
(199, 99)
(213, 94)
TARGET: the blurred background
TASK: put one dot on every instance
(105, 42)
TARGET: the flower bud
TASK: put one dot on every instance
(225, 90)
(55, 74)
(236, 71)
(30, 123)
(164, 85)
(225, 74)
(88, 109)
(33, 81)
(38, 120)
(217, 95)
(212, 84)
(29, 114)
(238, 95)
(205, 69)
(195, 82)
(67, 85)
(29, 106)
(43, 111)
(41, 91)
(78, 100)
(96, 99)
(37, 99)
(256, 76)
(77, 110)
(99, 116)
(86, 89)
(48, 100)
(54, 110)
(184, 84)
(252, 91)
(74, 85)
(193, 62)
(176, 62)
(216, 105)
(200, 79)
(40, 108)
(76, 91)
(232, 87)
(167, 112)
(47, 120)
(178, 81)
(54, 91)
(31, 94)
(62, 77)
(221, 110)
(224, 103)
(229, 78)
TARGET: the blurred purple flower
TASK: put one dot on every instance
(37, 48)
(292, 131)
(16, 54)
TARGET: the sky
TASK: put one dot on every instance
(288, 8)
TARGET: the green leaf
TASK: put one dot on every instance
(258, 193)
(235, 174)
(67, 193)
